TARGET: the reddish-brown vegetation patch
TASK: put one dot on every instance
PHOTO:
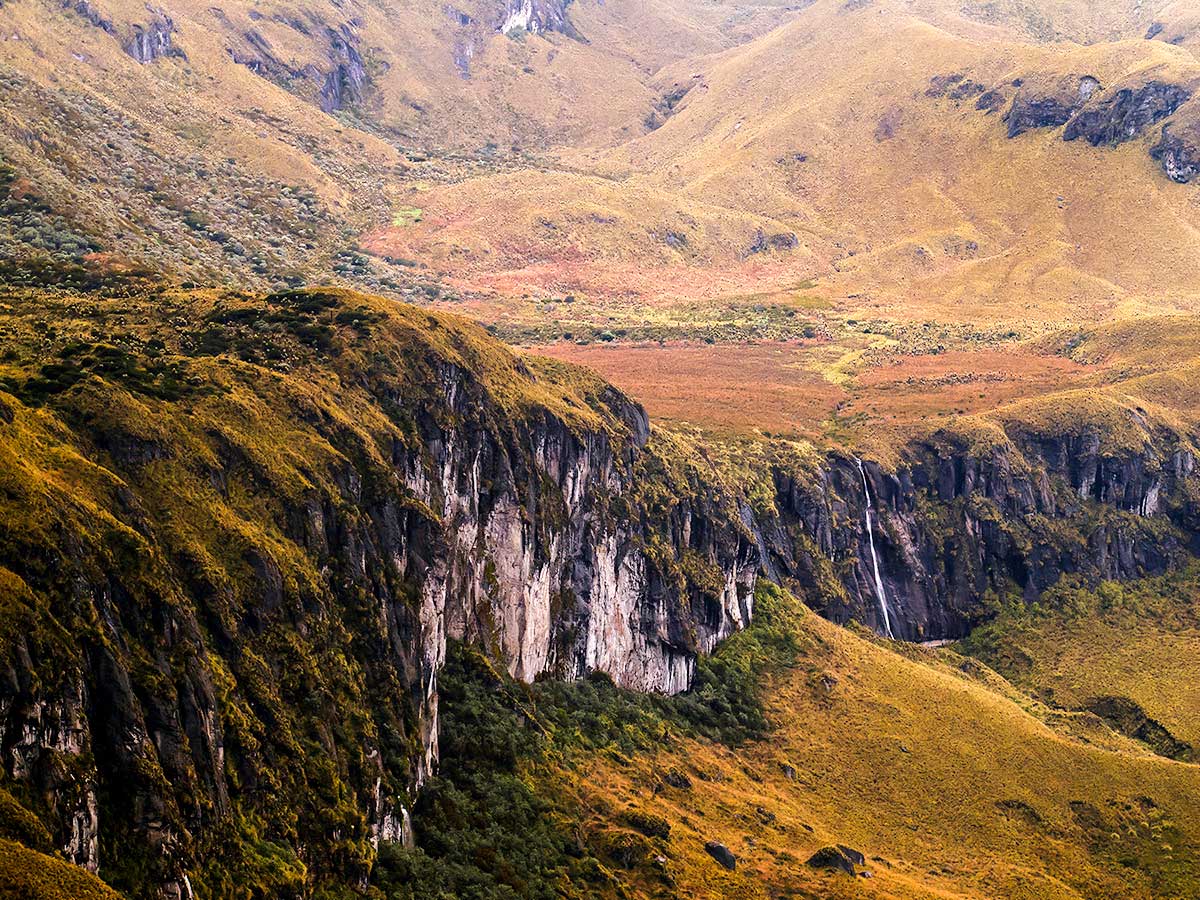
(772, 387)
(965, 381)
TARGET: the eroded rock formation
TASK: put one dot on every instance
(153, 39)
(954, 523)
(1178, 152)
(538, 16)
(1124, 114)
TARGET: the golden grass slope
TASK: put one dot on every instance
(904, 204)
(952, 784)
(810, 123)
(31, 875)
(437, 75)
(1140, 642)
(127, 149)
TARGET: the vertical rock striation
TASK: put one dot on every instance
(957, 521)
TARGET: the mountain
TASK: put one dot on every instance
(240, 530)
(232, 566)
(919, 165)
(527, 449)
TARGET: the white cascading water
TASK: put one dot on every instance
(880, 592)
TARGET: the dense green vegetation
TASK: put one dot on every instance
(487, 828)
(1125, 652)
(28, 875)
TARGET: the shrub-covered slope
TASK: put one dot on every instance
(920, 771)
(235, 532)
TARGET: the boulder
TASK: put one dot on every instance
(853, 855)
(676, 779)
(721, 854)
(835, 859)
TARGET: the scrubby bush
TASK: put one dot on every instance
(481, 830)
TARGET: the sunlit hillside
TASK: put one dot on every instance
(855, 141)
(599, 449)
(947, 780)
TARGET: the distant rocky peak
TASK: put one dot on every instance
(537, 17)
(153, 39)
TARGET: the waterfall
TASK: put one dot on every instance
(880, 592)
(407, 838)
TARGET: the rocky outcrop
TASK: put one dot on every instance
(153, 40)
(345, 81)
(957, 87)
(722, 854)
(340, 84)
(470, 36)
(1127, 717)
(90, 14)
(784, 240)
(1178, 151)
(1102, 118)
(1123, 115)
(259, 57)
(537, 17)
(951, 525)
(1048, 105)
(837, 859)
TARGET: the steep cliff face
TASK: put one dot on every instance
(232, 555)
(957, 520)
(237, 532)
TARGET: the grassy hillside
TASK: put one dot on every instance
(1078, 647)
(846, 183)
(261, 140)
(31, 875)
(844, 129)
(949, 781)
(836, 175)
